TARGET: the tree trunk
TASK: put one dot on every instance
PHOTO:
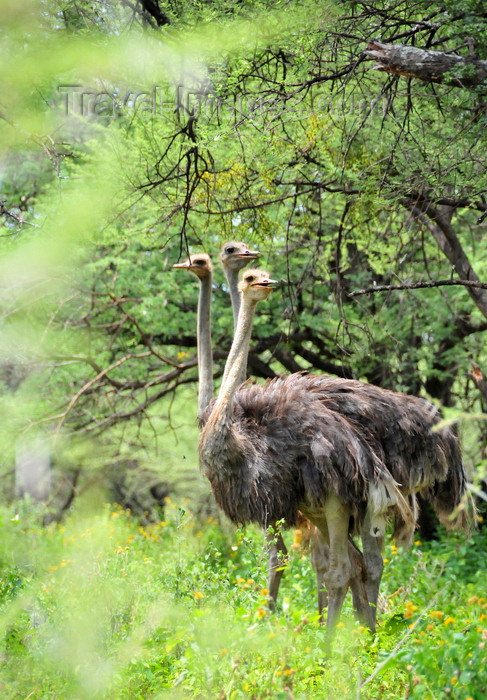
(430, 66)
(439, 224)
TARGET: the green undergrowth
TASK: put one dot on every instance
(101, 607)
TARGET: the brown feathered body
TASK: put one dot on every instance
(421, 454)
(396, 433)
(279, 449)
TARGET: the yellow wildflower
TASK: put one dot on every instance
(261, 612)
(430, 627)
(449, 621)
(264, 592)
(288, 672)
(454, 680)
(483, 616)
(474, 599)
(437, 614)
(198, 595)
(410, 609)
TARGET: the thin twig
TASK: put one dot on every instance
(418, 285)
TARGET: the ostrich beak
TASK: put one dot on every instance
(250, 254)
(266, 283)
(182, 265)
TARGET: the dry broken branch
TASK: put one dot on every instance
(430, 66)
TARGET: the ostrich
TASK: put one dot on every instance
(278, 450)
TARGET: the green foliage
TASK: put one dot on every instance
(282, 137)
(101, 607)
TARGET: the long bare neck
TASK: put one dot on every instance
(232, 279)
(237, 357)
(205, 355)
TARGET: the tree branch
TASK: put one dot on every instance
(417, 285)
(439, 224)
(430, 66)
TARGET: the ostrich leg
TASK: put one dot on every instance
(320, 561)
(334, 528)
(375, 564)
(277, 552)
(359, 584)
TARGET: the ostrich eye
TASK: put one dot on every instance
(199, 262)
(230, 250)
(250, 278)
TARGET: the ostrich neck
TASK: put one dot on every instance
(205, 357)
(217, 431)
(232, 280)
(237, 357)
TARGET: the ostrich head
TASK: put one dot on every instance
(235, 255)
(199, 264)
(256, 285)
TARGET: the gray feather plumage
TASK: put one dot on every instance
(295, 440)
(421, 455)
(284, 450)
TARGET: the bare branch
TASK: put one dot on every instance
(417, 285)
(430, 66)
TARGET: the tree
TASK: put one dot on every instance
(246, 122)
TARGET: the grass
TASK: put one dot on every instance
(102, 608)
